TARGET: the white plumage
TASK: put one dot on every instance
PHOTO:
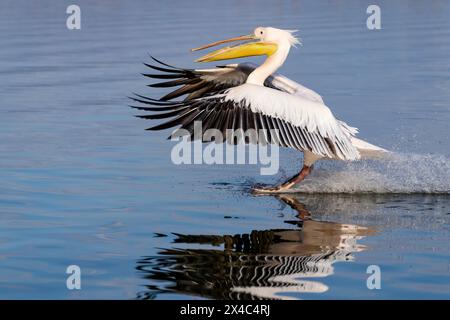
(314, 116)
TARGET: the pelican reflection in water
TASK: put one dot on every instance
(263, 264)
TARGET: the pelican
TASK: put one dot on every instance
(245, 96)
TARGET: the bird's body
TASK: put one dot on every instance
(245, 96)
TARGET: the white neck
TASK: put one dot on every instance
(272, 63)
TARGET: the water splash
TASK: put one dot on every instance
(398, 173)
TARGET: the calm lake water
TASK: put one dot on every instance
(82, 182)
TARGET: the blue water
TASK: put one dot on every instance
(82, 182)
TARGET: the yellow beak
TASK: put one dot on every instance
(256, 48)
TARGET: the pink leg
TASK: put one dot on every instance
(306, 170)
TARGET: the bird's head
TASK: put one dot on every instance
(277, 36)
(263, 41)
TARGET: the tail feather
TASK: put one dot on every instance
(367, 150)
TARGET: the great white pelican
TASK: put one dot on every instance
(245, 96)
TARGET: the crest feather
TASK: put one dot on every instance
(293, 40)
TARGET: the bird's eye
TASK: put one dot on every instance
(259, 32)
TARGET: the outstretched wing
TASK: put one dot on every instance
(197, 83)
(276, 116)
